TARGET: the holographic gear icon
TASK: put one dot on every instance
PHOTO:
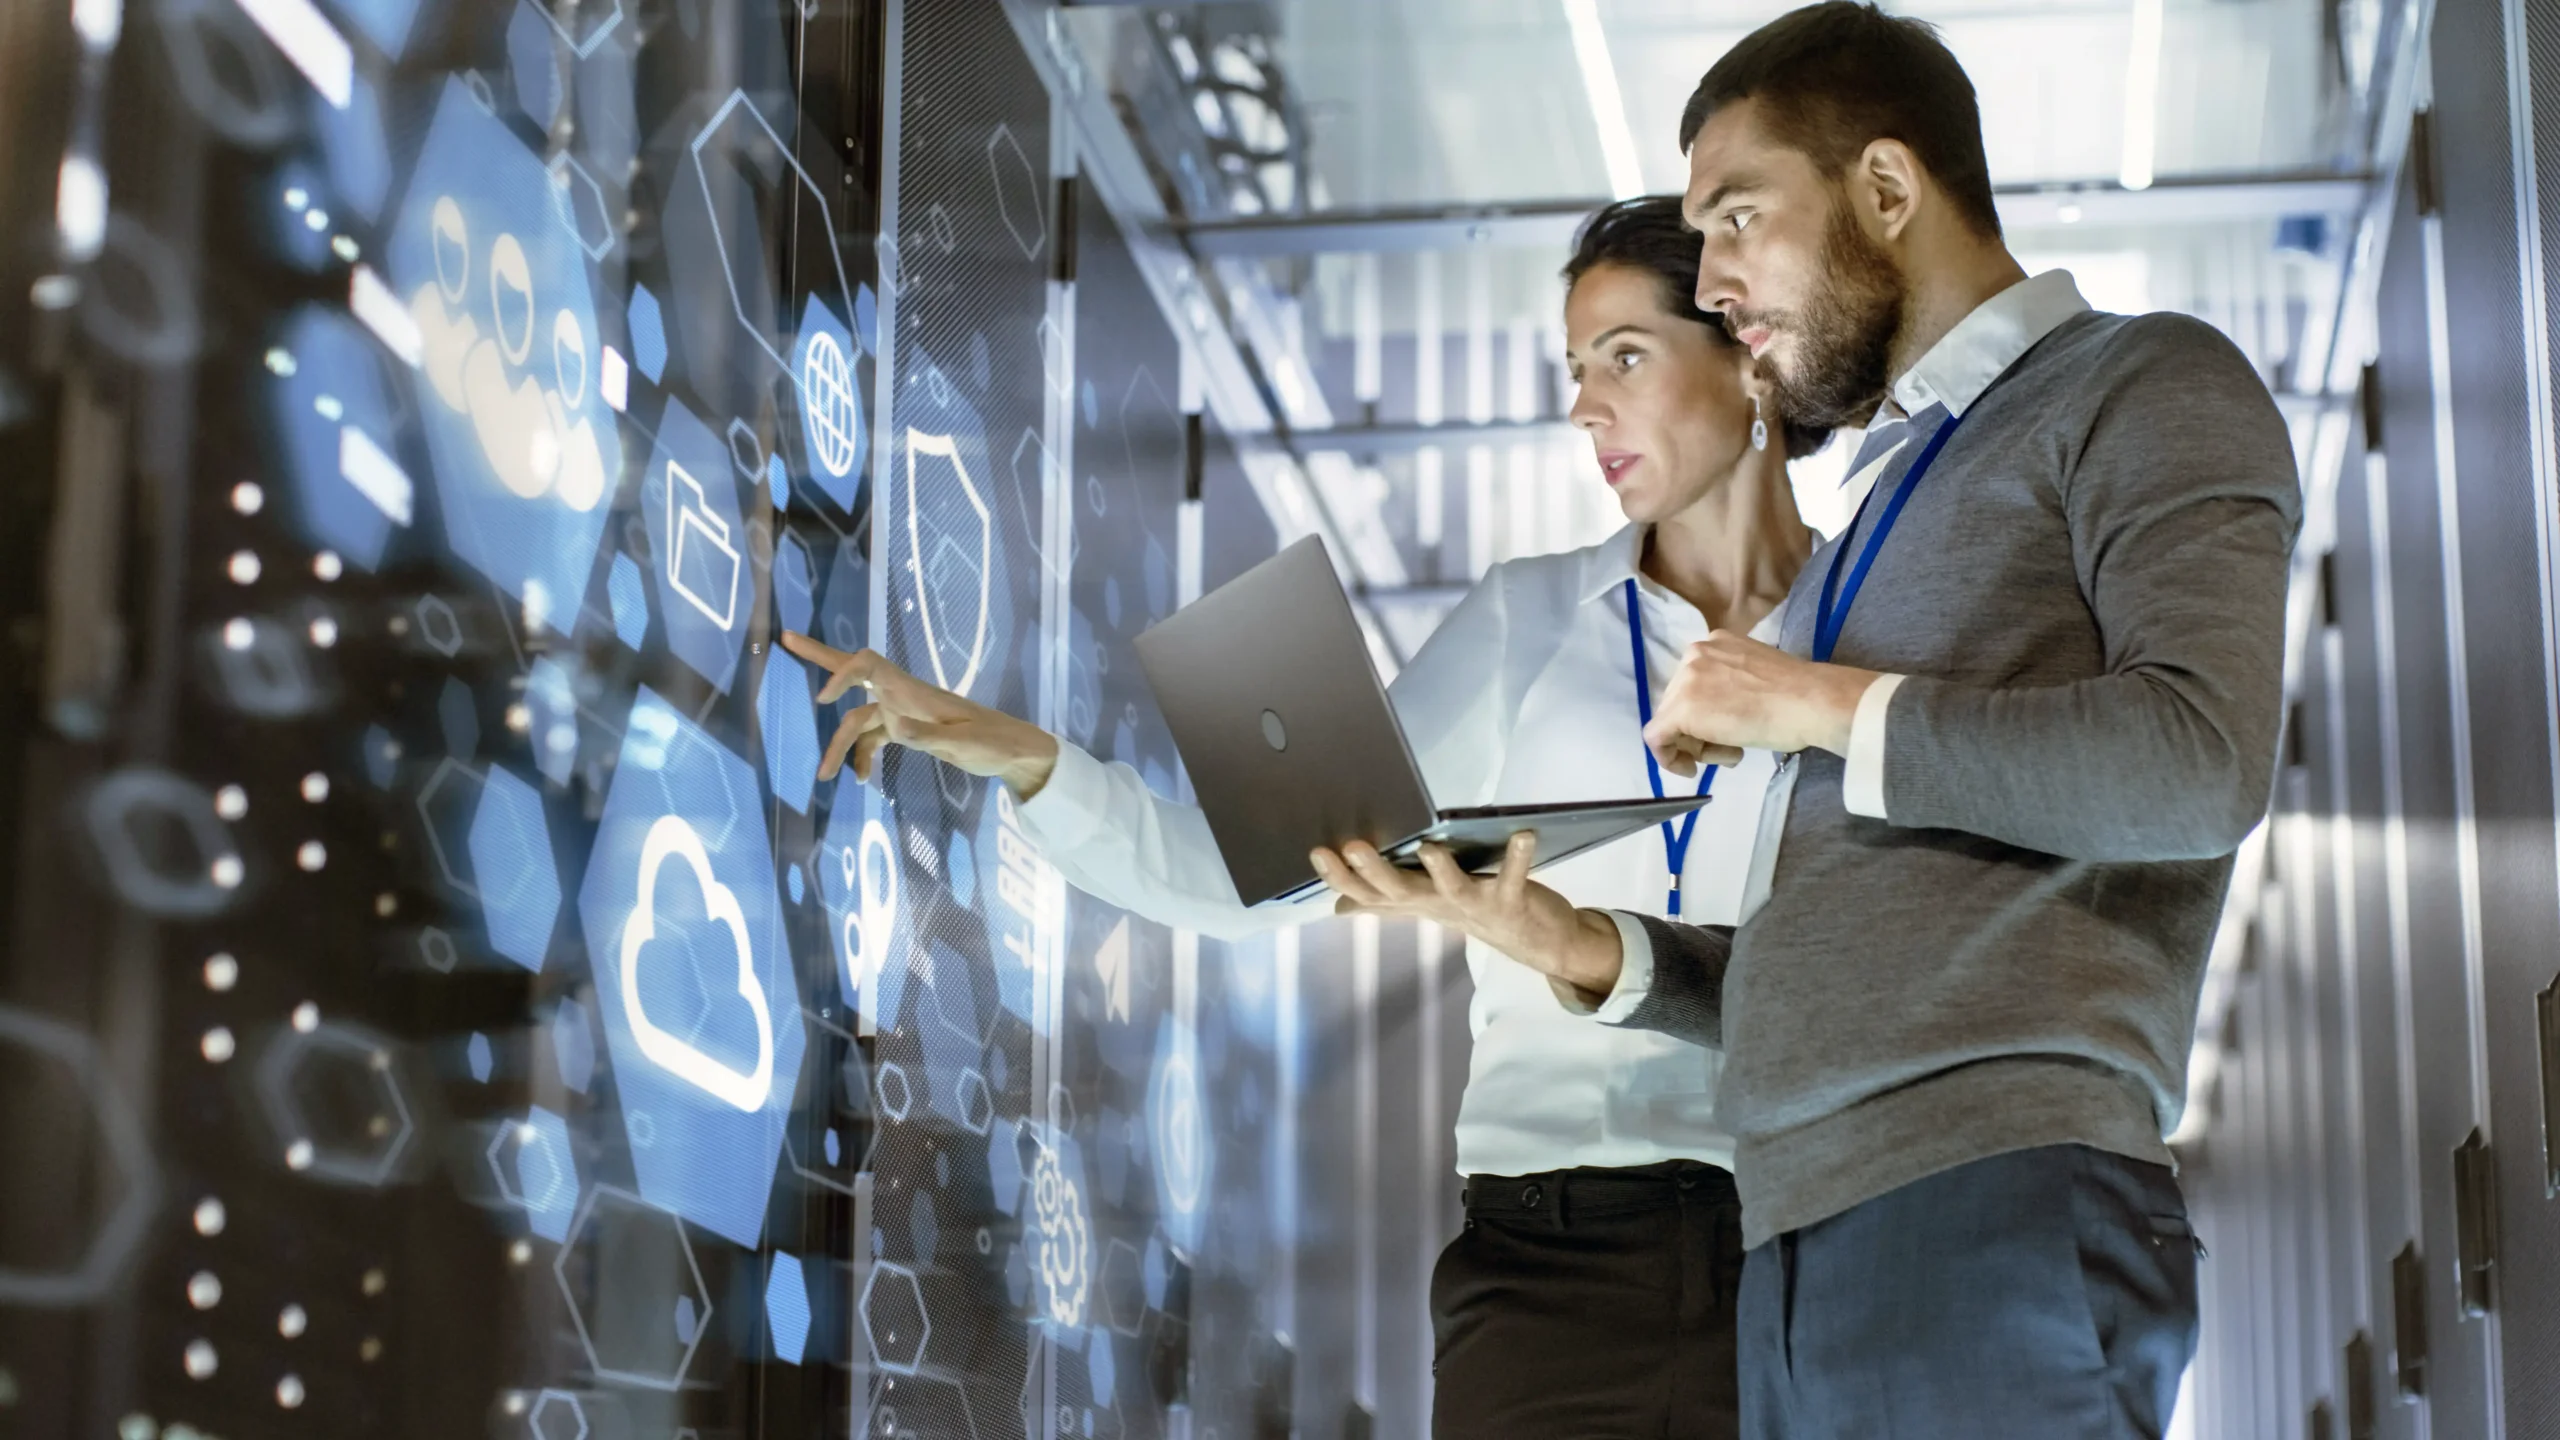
(1065, 1244)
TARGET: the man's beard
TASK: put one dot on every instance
(1844, 334)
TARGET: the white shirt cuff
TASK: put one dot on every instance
(1635, 976)
(1862, 790)
(1072, 805)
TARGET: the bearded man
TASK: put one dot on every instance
(2031, 700)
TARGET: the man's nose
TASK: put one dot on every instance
(1719, 289)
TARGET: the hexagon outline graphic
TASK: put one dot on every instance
(880, 1085)
(564, 165)
(982, 1106)
(816, 1076)
(945, 447)
(594, 38)
(527, 1132)
(374, 1053)
(711, 205)
(549, 1397)
(578, 1317)
(1002, 137)
(870, 1287)
(117, 1238)
(126, 795)
(445, 766)
(1121, 1276)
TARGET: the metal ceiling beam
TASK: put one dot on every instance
(1404, 439)
(1399, 439)
(1550, 224)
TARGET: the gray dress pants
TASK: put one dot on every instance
(2046, 1294)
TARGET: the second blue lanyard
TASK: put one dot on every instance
(1675, 838)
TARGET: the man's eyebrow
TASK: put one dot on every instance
(1720, 194)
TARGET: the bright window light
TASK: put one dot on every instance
(80, 208)
(308, 40)
(2142, 98)
(1608, 107)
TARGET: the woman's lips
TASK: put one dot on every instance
(1614, 464)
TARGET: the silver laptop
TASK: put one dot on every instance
(1291, 743)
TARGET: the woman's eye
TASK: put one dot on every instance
(1625, 359)
(1741, 220)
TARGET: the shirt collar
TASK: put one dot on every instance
(1985, 343)
(1613, 562)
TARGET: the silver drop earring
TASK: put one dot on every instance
(1759, 427)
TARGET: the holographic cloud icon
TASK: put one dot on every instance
(669, 838)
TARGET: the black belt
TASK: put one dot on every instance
(1591, 1192)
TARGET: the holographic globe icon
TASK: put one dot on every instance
(834, 412)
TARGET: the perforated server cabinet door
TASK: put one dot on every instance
(2501, 413)
(2437, 789)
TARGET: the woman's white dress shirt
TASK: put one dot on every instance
(1525, 694)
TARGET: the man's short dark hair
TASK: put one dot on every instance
(1647, 234)
(1832, 78)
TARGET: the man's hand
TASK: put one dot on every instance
(906, 711)
(1508, 911)
(1734, 693)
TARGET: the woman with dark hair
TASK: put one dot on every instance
(1592, 1291)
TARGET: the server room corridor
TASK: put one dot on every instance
(452, 451)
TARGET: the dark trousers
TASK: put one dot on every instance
(1590, 1305)
(2047, 1294)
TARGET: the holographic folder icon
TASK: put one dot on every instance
(701, 561)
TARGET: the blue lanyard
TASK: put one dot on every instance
(1828, 620)
(1675, 840)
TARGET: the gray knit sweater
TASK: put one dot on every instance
(2087, 591)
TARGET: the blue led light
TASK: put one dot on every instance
(476, 1053)
(693, 977)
